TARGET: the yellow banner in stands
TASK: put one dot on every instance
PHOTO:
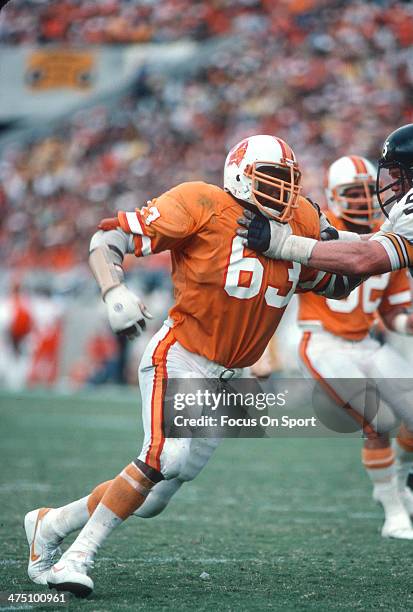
(59, 68)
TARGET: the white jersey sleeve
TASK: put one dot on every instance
(396, 233)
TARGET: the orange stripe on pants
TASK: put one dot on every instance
(159, 358)
(367, 427)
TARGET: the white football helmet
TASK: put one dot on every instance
(263, 171)
(351, 190)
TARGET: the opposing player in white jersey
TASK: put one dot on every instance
(336, 344)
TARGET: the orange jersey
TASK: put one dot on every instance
(229, 299)
(352, 317)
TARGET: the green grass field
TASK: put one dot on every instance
(277, 524)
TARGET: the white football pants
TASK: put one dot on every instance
(331, 360)
(179, 460)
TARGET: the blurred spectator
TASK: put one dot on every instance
(16, 335)
(30, 327)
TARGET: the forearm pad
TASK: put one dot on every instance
(107, 250)
(104, 270)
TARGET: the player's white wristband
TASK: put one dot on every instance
(400, 323)
(348, 236)
(297, 248)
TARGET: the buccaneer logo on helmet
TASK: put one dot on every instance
(351, 193)
(237, 154)
(262, 170)
(395, 167)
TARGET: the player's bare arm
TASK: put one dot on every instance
(356, 258)
(275, 240)
(363, 258)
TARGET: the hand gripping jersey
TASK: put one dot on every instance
(396, 233)
(351, 318)
(229, 299)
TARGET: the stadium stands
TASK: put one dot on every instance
(328, 77)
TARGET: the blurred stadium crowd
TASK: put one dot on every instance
(331, 78)
(136, 21)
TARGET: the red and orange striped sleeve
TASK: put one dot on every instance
(161, 225)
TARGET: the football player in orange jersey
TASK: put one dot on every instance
(229, 301)
(336, 345)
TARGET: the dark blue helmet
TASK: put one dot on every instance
(397, 157)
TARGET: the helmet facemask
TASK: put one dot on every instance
(357, 202)
(404, 181)
(275, 188)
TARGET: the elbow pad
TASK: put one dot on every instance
(117, 241)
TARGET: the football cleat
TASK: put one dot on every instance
(71, 574)
(397, 526)
(43, 549)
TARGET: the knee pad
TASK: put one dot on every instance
(174, 456)
(200, 453)
(158, 498)
(385, 419)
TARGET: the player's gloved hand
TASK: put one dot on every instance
(327, 231)
(126, 313)
(273, 239)
(262, 235)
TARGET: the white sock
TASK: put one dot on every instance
(94, 533)
(389, 497)
(62, 521)
(386, 490)
(384, 475)
(404, 463)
